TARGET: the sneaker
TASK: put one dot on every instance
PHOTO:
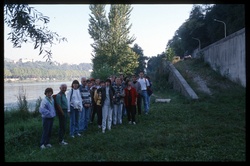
(79, 134)
(63, 143)
(134, 123)
(129, 122)
(99, 126)
(146, 113)
(42, 146)
(103, 131)
(72, 136)
(48, 146)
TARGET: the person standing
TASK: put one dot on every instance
(149, 86)
(98, 99)
(86, 102)
(74, 107)
(144, 94)
(62, 103)
(94, 87)
(118, 101)
(137, 86)
(107, 96)
(130, 101)
(48, 113)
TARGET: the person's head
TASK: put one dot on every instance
(75, 84)
(92, 81)
(134, 78)
(102, 83)
(141, 74)
(112, 78)
(118, 81)
(122, 76)
(128, 83)
(48, 92)
(89, 83)
(97, 81)
(108, 82)
(63, 88)
(83, 80)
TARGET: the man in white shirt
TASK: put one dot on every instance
(144, 84)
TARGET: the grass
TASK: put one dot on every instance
(211, 128)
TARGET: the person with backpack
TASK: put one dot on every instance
(61, 106)
(149, 89)
(74, 107)
(144, 94)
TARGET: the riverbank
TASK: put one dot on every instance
(14, 105)
(32, 81)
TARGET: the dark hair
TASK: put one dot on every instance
(108, 80)
(127, 81)
(75, 82)
(47, 90)
(102, 82)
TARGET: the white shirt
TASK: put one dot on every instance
(76, 100)
(144, 83)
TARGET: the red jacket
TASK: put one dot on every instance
(133, 94)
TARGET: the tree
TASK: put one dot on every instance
(111, 39)
(23, 21)
(169, 54)
(141, 59)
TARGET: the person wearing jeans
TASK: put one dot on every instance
(118, 102)
(48, 112)
(86, 110)
(144, 94)
(74, 106)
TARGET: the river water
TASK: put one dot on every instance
(32, 92)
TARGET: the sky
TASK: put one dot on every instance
(153, 25)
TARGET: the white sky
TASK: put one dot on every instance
(152, 26)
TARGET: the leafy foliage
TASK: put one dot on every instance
(111, 39)
(23, 21)
(201, 25)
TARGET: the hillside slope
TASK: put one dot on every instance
(203, 79)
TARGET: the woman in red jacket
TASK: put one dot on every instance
(130, 101)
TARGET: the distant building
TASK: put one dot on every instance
(25, 60)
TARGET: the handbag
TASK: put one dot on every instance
(150, 91)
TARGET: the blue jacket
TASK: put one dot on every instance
(47, 108)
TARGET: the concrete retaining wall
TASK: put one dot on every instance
(228, 56)
(178, 82)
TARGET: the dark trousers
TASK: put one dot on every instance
(131, 109)
(62, 125)
(138, 104)
(93, 112)
(47, 130)
(99, 114)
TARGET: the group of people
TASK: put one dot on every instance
(111, 100)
